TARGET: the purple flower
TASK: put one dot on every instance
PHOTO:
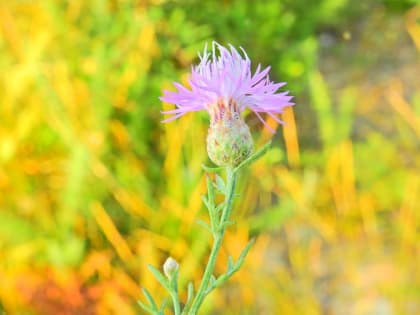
(224, 76)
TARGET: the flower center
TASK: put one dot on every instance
(222, 110)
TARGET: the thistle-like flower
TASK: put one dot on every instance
(223, 84)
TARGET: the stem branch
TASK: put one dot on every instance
(218, 234)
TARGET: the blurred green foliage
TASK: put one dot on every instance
(93, 187)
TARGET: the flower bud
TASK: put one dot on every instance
(170, 267)
(229, 141)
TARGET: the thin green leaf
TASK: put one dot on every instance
(226, 224)
(206, 202)
(254, 156)
(149, 298)
(223, 278)
(231, 264)
(204, 225)
(210, 203)
(190, 291)
(211, 169)
(220, 207)
(159, 277)
(243, 254)
(211, 284)
(190, 295)
(210, 192)
(163, 305)
(146, 308)
(220, 185)
(212, 279)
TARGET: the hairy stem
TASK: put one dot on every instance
(218, 238)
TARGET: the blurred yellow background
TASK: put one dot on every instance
(93, 187)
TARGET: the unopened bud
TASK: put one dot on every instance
(170, 267)
(229, 141)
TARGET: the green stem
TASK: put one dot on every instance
(175, 300)
(218, 238)
(174, 293)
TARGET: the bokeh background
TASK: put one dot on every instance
(93, 187)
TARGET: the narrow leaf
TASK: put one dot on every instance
(231, 264)
(223, 278)
(243, 254)
(210, 192)
(159, 277)
(163, 305)
(212, 280)
(204, 225)
(212, 284)
(211, 169)
(190, 294)
(210, 203)
(220, 207)
(254, 156)
(149, 298)
(226, 224)
(220, 185)
(146, 308)
(206, 202)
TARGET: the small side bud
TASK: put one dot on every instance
(170, 267)
(229, 141)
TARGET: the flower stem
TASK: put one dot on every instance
(175, 300)
(218, 234)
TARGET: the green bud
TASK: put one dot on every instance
(229, 141)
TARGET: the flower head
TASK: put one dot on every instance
(223, 84)
(224, 75)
